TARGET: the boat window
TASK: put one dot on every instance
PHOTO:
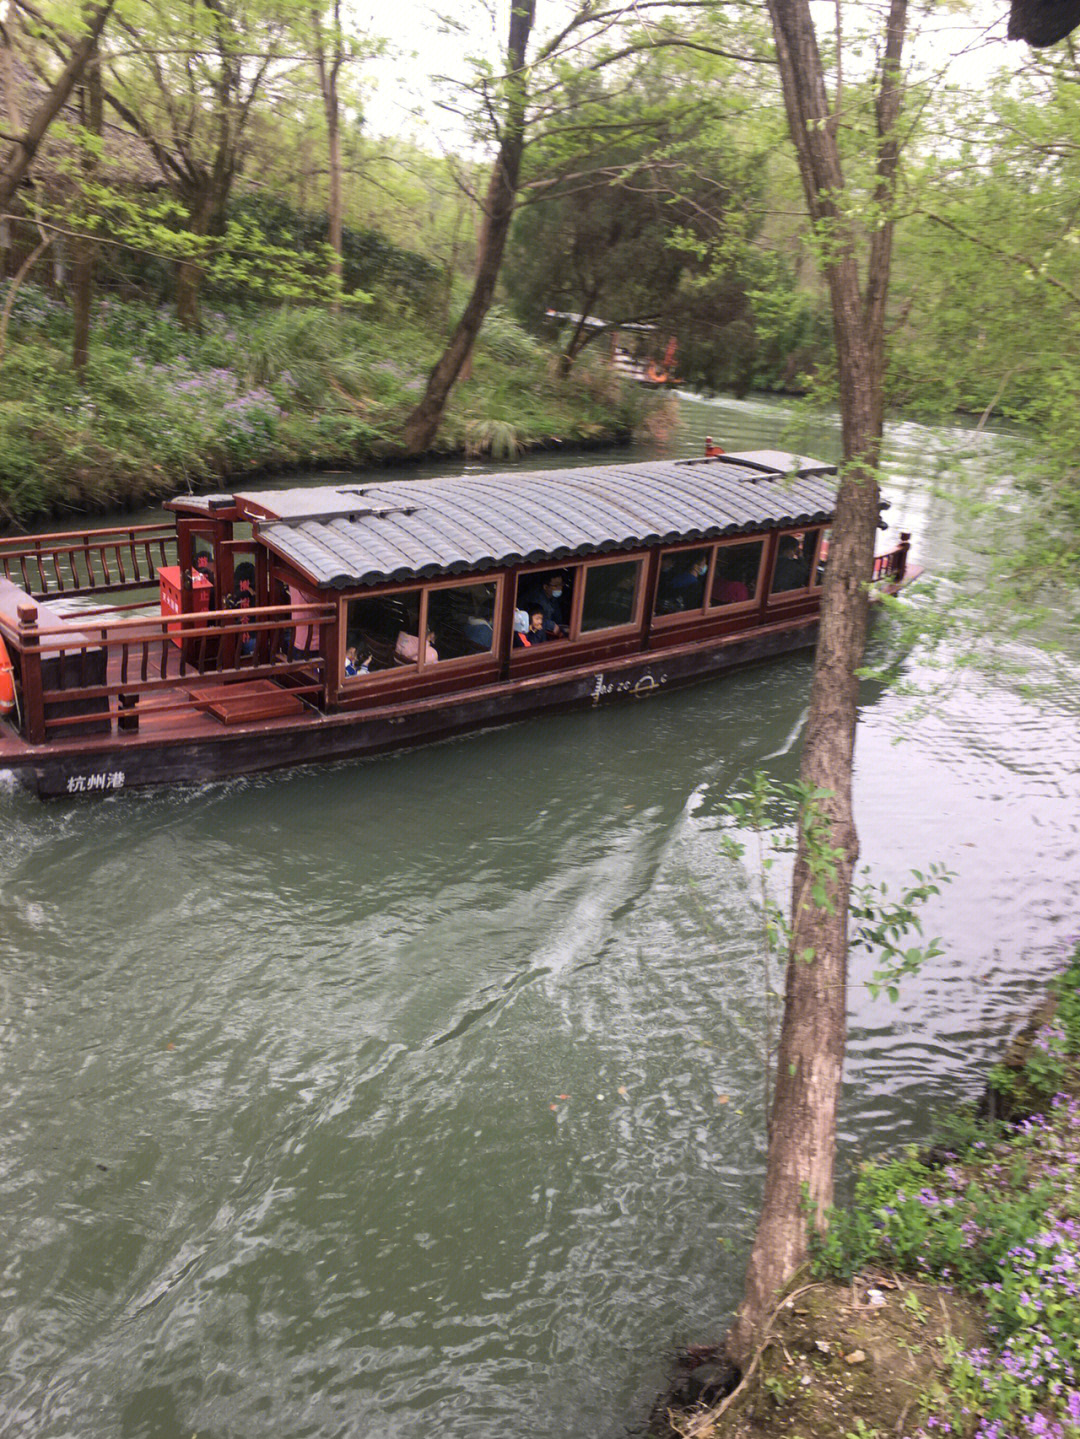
(794, 556)
(610, 595)
(243, 596)
(735, 574)
(384, 630)
(682, 581)
(822, 557)
(550, 594)
(202, 557)
(462, 617)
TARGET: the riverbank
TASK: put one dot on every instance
(162, 409)
(944, 1301)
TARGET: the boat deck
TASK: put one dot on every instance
(196, 706)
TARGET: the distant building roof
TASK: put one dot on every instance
(125, 158)
(380, 533)
(590, 322)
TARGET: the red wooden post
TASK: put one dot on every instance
(30, 673)
(334, 650)
(900, 568)
(651, 581)
(502, 623)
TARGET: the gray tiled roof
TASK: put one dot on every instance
(384, 532)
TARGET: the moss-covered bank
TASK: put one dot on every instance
(160, 408)
(946, 1300)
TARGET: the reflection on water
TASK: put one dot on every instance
(424, 1094)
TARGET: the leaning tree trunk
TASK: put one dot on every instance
(422, 425)
(581, 335)
(802, 1142)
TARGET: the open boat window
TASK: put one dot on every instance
(794, 558)
(683, 576)
(243, 596)
(384, 630)
(736, 574)
(611, 595)
(546, 600)
(462, 619)
(202, 556)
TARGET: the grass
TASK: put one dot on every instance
(162, 408)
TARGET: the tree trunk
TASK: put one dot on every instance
(91, 107)
(7, 68)
(422, 425)
(22, 153)
(202, 207)
(189, 275)
(799, 1174)
(328, 78)
(580, 337)
(16, 283)
(333, 137)
(802, 1143)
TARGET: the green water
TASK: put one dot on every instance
(422, 1096)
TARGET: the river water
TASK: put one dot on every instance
(423, 1095)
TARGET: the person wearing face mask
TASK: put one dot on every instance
(550, 599)
(688, 586)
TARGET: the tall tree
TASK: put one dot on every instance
(530, 98)
(191, 103)
(421, 426)
(802, 1143)
(609, 222)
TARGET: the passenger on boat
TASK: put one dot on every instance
(548, 598)
(407, 648)
(353, 665)
(521, 629)
(792, 566)
(687, 588)
(730, 592)
(479, 633)
(243, 598)
(537, 634)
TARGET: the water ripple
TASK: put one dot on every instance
(427, 1094)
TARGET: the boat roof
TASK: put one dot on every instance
(385, 532)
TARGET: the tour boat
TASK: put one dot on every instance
(290, 626)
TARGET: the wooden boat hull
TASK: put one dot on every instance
(103, 766)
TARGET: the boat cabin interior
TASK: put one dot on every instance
(278, 606)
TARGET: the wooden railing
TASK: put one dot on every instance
(892, 565)
(86, 677)
(89, 562)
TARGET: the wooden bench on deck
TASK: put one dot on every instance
(244, 703)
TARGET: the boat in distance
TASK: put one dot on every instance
(269, 628)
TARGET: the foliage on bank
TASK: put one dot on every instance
(162, 409)
(996, 1215)
(943, 1300)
